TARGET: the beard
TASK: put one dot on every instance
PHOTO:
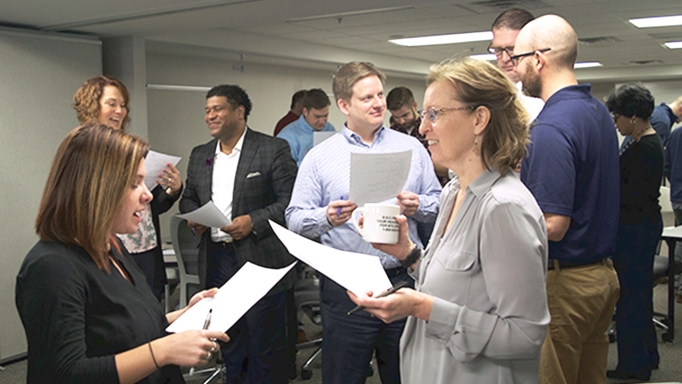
(532, 85)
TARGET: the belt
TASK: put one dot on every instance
(224, 244)
(571, 264)
(391, 272)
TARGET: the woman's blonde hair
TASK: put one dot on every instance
(86, 99)
(479, 83)
(95, 166)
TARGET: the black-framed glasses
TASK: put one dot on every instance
(498, 51)
(432, 113)
(515, 59)
(615, 116)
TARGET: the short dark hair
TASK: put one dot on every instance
(399, 97)
(631, 100)
(297, 98)
(514, 19)
(234, 94)
(316, 99)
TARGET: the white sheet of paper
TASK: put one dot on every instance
(319, 136)
(357, 272)
(155, 162)
(233, 299)
(376, 177)
(208, 215)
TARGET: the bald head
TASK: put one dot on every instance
(550, 31)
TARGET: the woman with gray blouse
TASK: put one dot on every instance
(479, 311)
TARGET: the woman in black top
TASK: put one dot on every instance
(639, 230)
(88, 314)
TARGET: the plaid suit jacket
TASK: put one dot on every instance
(262, 189)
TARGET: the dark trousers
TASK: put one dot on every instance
(633, 261)
(348, 341)
(256, 352)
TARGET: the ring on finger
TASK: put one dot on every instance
(214, 347)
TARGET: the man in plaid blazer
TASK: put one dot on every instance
(249, 176)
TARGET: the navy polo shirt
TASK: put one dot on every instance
(572, 169)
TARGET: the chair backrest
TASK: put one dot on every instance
(664, 200)
(186, 247)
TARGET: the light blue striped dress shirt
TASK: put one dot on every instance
(324, 176)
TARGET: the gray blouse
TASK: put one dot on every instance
(487, 274)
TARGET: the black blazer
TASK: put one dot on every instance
(262, 189)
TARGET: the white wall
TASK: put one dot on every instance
(38, 76)
(176, 118)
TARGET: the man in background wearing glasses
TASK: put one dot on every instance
(572, 169)
(505, 28)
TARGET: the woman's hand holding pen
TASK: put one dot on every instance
(189, 348)
(172, 316)
(404, 302)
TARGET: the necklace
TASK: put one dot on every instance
(634, 139)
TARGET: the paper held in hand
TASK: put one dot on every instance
(208, 215)
(233, 299)
(356, 272)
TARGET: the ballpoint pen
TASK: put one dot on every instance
(391, 290)
(207, 323)
(338, 210)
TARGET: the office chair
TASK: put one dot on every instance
(307, 301)
(186, 246)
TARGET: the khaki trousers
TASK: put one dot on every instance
(581, 302)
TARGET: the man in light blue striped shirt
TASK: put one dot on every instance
(319, 209)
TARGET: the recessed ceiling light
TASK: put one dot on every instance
(444, 39)
(661, 21)
(674, 44)
(485, 57)
(587, 64)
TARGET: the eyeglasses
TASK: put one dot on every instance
(497, 51)
(432, 113)
(615, 116)
(515, 59)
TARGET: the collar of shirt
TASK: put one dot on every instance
(673, 117)
(484, 181)
(355, 139)
(237, 147)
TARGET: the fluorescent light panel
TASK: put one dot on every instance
(444, 39)
(485, 57)
(661, 21)
(587, 64)
(674, 44)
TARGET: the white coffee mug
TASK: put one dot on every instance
(380, 225)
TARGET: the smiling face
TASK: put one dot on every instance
(132, 204)
(223, 120)
(112, 107)
(451, 135)
(367, 105)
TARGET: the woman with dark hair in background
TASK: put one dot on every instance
(639, 230)
(479, 311)
(106, 100)
(87, 314)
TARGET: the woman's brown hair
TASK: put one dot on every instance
(86, 99)
(479, 83)
(93, 169)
